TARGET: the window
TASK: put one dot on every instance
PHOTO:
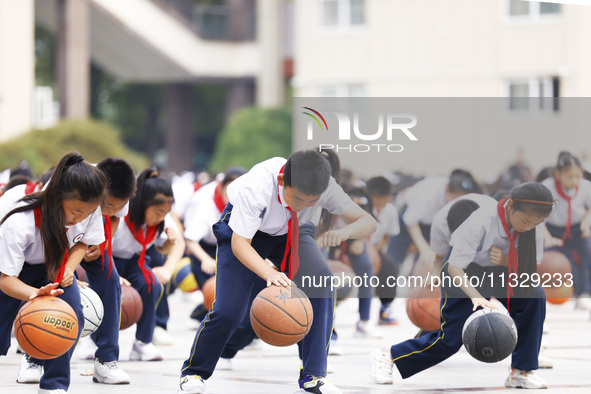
(537, 93)
(345, 90)
(532, 9)
(341, 13)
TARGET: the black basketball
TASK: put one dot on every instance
(489, 336)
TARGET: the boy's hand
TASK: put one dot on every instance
(331, 238)
(92, 253)
(50, 290)
(278, 279)
(551, 242)
(82, 284)
(124, 282)
(482, 302)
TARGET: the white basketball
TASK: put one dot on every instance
(92, 307)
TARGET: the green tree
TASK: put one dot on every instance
(43, 148)
(251, 136)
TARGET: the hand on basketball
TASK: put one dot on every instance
(81, 284)
(48, 290)
(278, 279)
(208, 265)
(162, 274)
(68, 279)
(552, 242)
(92, 253)
(331, 238)
(497, 257)
(124, 282)
(483, 303)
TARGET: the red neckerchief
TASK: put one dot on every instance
(218, 198)
(30, 188)
(568, 199)
(60, 273)
(196, 186)
(292, 232)
(512, 250)
(144, 241)
(106, 245)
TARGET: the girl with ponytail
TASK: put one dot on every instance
(43, 238)
(515, 226)
(148, 224)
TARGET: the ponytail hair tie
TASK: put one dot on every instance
(154, 174)
(534, 202)
(75, 160)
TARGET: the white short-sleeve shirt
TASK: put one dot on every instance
(424, 199)
(440, 234)
(182, 192)
(256, 205)
(482, 230)
(125, 245)
(20, 239)
(579, 203)
(202, 213)
(388, 223)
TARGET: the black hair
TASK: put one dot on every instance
(73, 179)
(46, 176)
(462, 181)
(15, 181)
(307, 171)
(334, 161)
(459, 212)
(537, 198)
(232, 174)
(150, 189)
(120, 175)
(379, 186)
(544, 173)
(361, 194)
(567, 160)
(22, 169)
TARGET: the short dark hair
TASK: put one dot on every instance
(459, 212)
(307, 171)
(232, 174)
(15, 181)
(462, 181)
(379, 186)
(121, 177)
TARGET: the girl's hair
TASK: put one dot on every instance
(566, 160)
(73, 179)
(462, 181)
(326, 218)
(363, 198)
(151, 188)
(531, 197)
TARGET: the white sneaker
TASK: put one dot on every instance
(316, 384)
(108, 372)
(29, 372)
(334, 349)
(524, 380)
(145, 352)
(583, 302)
(365, 330)
(45, 391)
(380, 366)
(161, 337)
(224, 364)
(192, 384)
(86, 348)
(544, 362)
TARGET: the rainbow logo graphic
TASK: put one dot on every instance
(315, 118)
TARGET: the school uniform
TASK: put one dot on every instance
(422, 201)
(387, 225)
(576, 248)
(470, 245)
(440, 234)
(257, 211)
(103, 278)
(182, 190)
(203, 211)
(127, 254)
(22, 255)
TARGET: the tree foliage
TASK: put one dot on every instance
(251, 136)
(43, 148)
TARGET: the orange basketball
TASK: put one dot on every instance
(424, 313)
(131, 307)
(46, 327)
(208, 290)
(553, 272)
(281, 316)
